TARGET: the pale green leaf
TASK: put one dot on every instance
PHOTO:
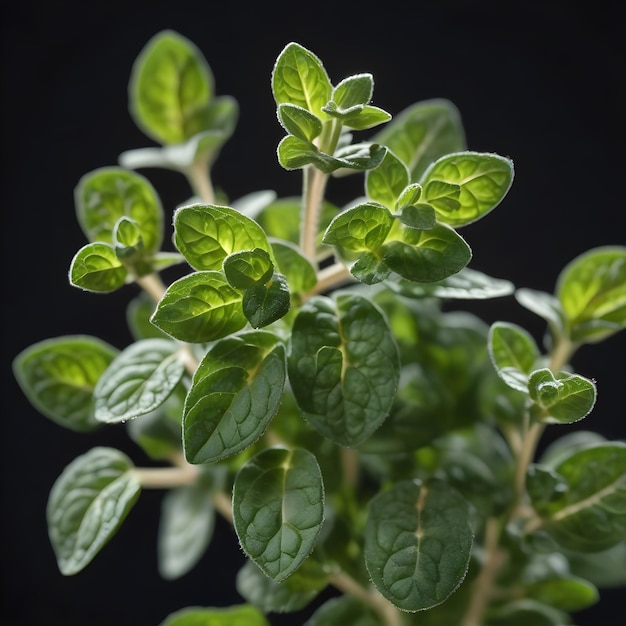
(96, 267)
(139, 380)
(238, 615)
(58, 377)
(87, 504)
(385, 183)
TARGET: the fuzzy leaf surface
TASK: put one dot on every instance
(200, 307)
(138, 380)
(58, 377)
(87, 504)
(418, 540)
(278, 509)
(343, 367)
(97, 268)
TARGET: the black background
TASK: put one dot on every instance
(539, 82)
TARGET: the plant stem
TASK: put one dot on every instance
(166, 477)
(329, 278)
(493, 560)
(388, 613)
(314, 183)
(200, 181)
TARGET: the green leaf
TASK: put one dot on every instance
(343, 367)
(235, 393)
(299, 122)
(342, 611)
(605, 569)
(185, 529)
(566, 594)
(278, 509)
(592, 291)
(241, 615)
(591, 515)
(288, 596)
(220, 119)
(170, 89)
(138, 380)
(418, 540)
(96, 267)
(467, 284)
(422, 133)
(354, 90)
(138, 312)
(87, 504)
(297, 270)
(409, 196)
(359, 228)
(58, 377)
(248, 268)
(546, 306)
(264, 304)
(564, 397)
(206, 234)
(299, 78)
(424, 256)
(525, 612)
(482, 179)
(513, 352)
(200, 307)
(107, 194)
(366, 117)
(385, 183)
(419, 216)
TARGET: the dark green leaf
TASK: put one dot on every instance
(341, 612)
(96, 267)
(422, 133)
(420, 216)
(138, 380)
(138, 313)
(288, 596)
(343, 367)
(58, 377)
(591, 515)
(418, 540)
(483, 180)
(200, 307)
(107, 194)
(170, 89)
(299, 78)
(278, 509)
(264, 304)
(87, 504)
(235, 393)
(525, 612)
(592, 291)
(206, 234)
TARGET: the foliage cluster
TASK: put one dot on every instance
(307, 377)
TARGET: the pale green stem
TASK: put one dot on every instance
(494, 558)
(328, 278)
(198, 175)
(388, 613)
(166, 477)
(313, 192)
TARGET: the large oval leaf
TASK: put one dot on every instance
(236, 392)
(483, 179)
(87, 505)
(343, 367)
(591, 514)
(200, 307)
(592, 291)
(278, 509)
(422, 133)
(106, 194)
(170, 88)
(418, 540)
(58, 377)
(139, 380)
(206, 234)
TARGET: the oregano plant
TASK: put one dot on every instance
(307, 375)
